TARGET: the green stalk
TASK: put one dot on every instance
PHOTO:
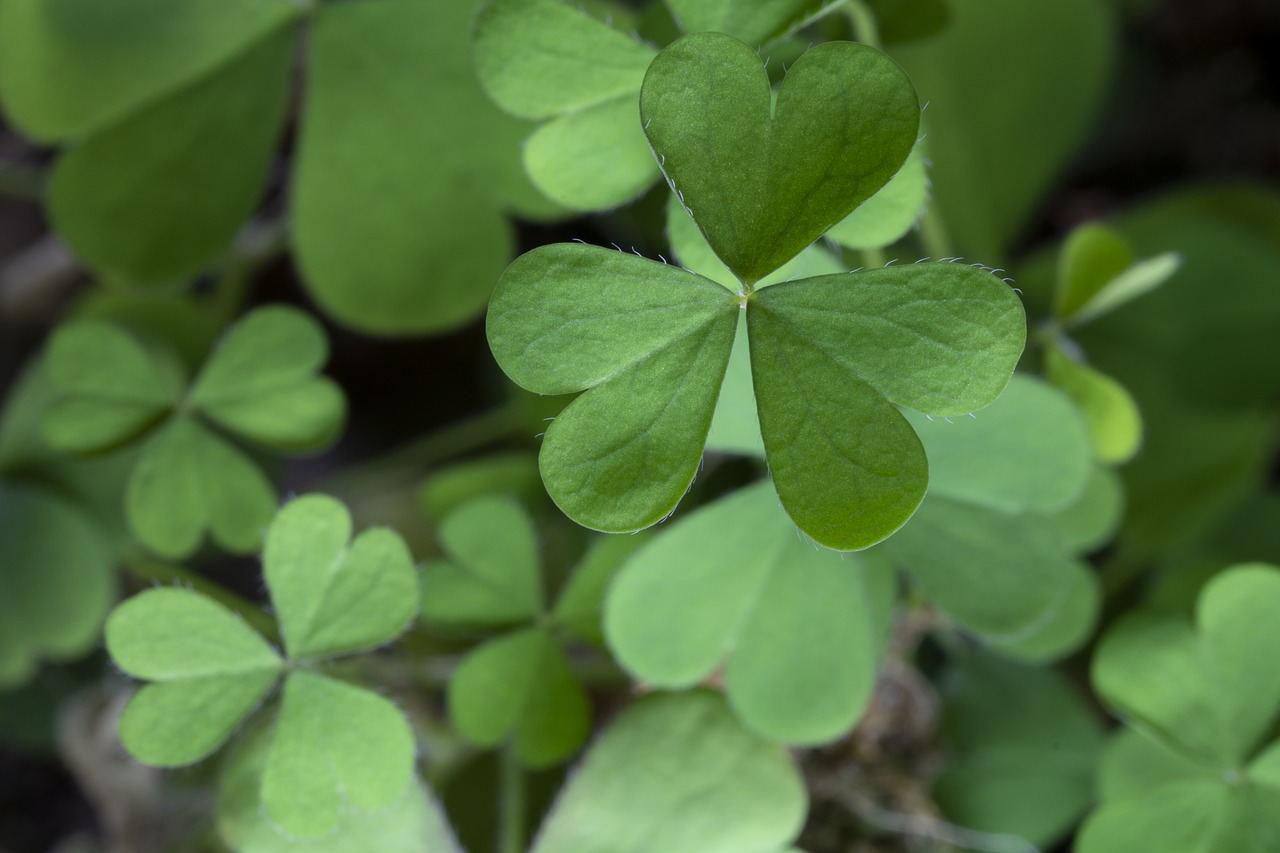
(511, 815)
(865, 28)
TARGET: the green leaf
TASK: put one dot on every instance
(189, 481)
(332, 598)
(70, 67)
(260, 382)
(542, 58)
(414, 824)
(449, 487)
(1190, 814)
(55, 581)
(112, 388)
(1023, 745)
(337, 748)
(162, 192)
(680, 775)
(1134, 762)
(1138, 280)
(1094, 518)
(1027, 451)
(754, 23)
(580, 607)
(1003, 123)
(798, 629)
(1091, 257)
(888, 215)
(1208, 689)
(1069, 626)
(520, 687)
(404, 135)
(492, 574)
(763, 184)
(1002, 575)
(1110, 410)
(650, 341)
(830, 357)
(209, 671)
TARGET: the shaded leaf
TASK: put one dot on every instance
(1091, 257)
(580, 607)
(1094, 518)
(755, 23)
(888, 215)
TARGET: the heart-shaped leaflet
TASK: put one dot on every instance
(765, 181)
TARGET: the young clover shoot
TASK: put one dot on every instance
(1200, 769)
(335, 747)
(1097, 274)
(259, 384)
(518, 686)
(832, 357)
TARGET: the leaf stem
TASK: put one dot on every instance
(865, 28)
(933, 233)
(511, 806)
(149, 569)
(873, 259)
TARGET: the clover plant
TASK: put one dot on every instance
(717, 509)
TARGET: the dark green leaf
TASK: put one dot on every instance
(756, 22)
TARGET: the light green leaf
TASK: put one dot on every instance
(260, 382)
(404, 136)
(594, 158)
(1206, 690)
(888, 215)
(331, 598)
(1027, 451)
(337, 749)
(55, 581)
(651, 343)
(754, 23)
(1113, 417)
(209, 671)
(541, 58)
(414, 824)
(680, 775)
(1134, 762)
(580, 607)
(735, 426)
(1094, 518)
(830, 355)
(514, 473)
(112, 387)
(1002, 575)
(1023, 746)
(797, 628)
(189, 481)
(492, 573)
(1091, 257)
(160, 193)
(70, 67)
(1003, 123)
(1070, 625)
(520, 687)
(1186, 815)
(763, 184)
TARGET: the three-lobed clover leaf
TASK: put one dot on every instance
(831, 356)
(334, 746)
(260, 383)
(171, 115)
(518, 686)
(1199, 773)
(797, 630)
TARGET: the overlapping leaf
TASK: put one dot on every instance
(172, 112)
(336, 747)
(677, 773)
(1205, 699)
(259, 383)
(518, 686)
(797, 630)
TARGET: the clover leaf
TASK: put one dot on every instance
(1203, 776)
(55, 581)
(259, 383)
(519, 685)
(335, 747)
(172, 113)
(677, 773)
(797, 630)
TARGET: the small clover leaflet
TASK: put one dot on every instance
(831, 356)
(519, 685)
(258, 384)
(335, 746)
(1198, 773)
